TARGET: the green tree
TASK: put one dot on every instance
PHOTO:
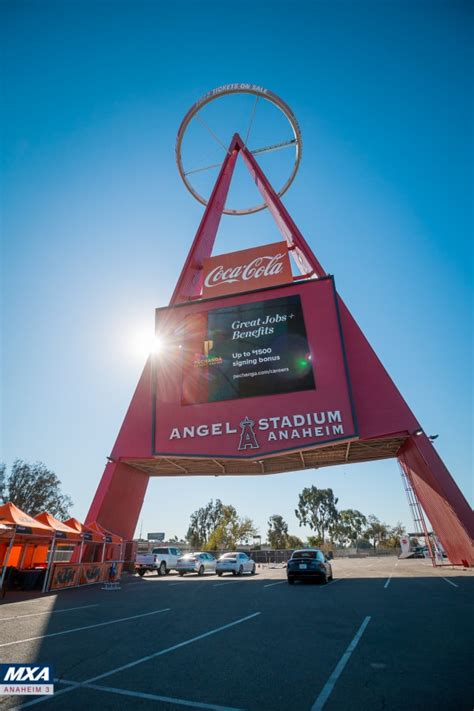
(317, 509)
(203, 522)
(217, 525)
(377, 532)
(293, 542)
(348, 527)
(34, 488)
(314, 541)
(277, 532)
(394, 534)
(230, 531)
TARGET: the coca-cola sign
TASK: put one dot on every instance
(246, 270)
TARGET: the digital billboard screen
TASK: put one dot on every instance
(251, 374)
(246, 350)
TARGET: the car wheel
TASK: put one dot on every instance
(180, 573)
(324, 579)
(241, 570)
(167, 571)
(162, 568)
(141, 573)
(252, 572)
(219, 574)
(201, 570)
(291, 581)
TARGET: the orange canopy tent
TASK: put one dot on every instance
(62, 530)
(90, 536)
(11, 515)
(113, 543)
(6, 531)
(114, 538)
(28, 546)
(6, 535)
(63, 535)
(113, 547)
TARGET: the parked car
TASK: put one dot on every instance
(235, 563)
(161, 560)
(199, 563)
(308, 563)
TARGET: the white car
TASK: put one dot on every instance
(199, 563)
(235, 563)
(160, 560)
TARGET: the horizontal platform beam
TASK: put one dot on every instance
(325, 456)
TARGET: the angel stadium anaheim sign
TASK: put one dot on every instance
(281, 425)
(271, 429)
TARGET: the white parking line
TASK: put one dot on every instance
(48, 612)
(153, 697)
(87, 627)
(450, 582)
(141, 660)
(331, 682)
(388, 582)
(280, 582)
(227, 582)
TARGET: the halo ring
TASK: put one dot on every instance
(226, 90)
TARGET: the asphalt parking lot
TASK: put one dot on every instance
(386, 634)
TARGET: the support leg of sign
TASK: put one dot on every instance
(304, 258)
(190, 280)
(443, 502)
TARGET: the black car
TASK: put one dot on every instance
(308, 563)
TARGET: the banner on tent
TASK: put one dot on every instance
(72, 575)
(64, 576)
(92, 573)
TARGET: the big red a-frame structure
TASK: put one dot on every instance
(386, 427)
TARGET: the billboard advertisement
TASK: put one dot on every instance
(252, 374)
(246, 270)
(245, 351)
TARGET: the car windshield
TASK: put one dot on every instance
(229, 555)
(305, 554)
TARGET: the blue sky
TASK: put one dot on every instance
(96, 222)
